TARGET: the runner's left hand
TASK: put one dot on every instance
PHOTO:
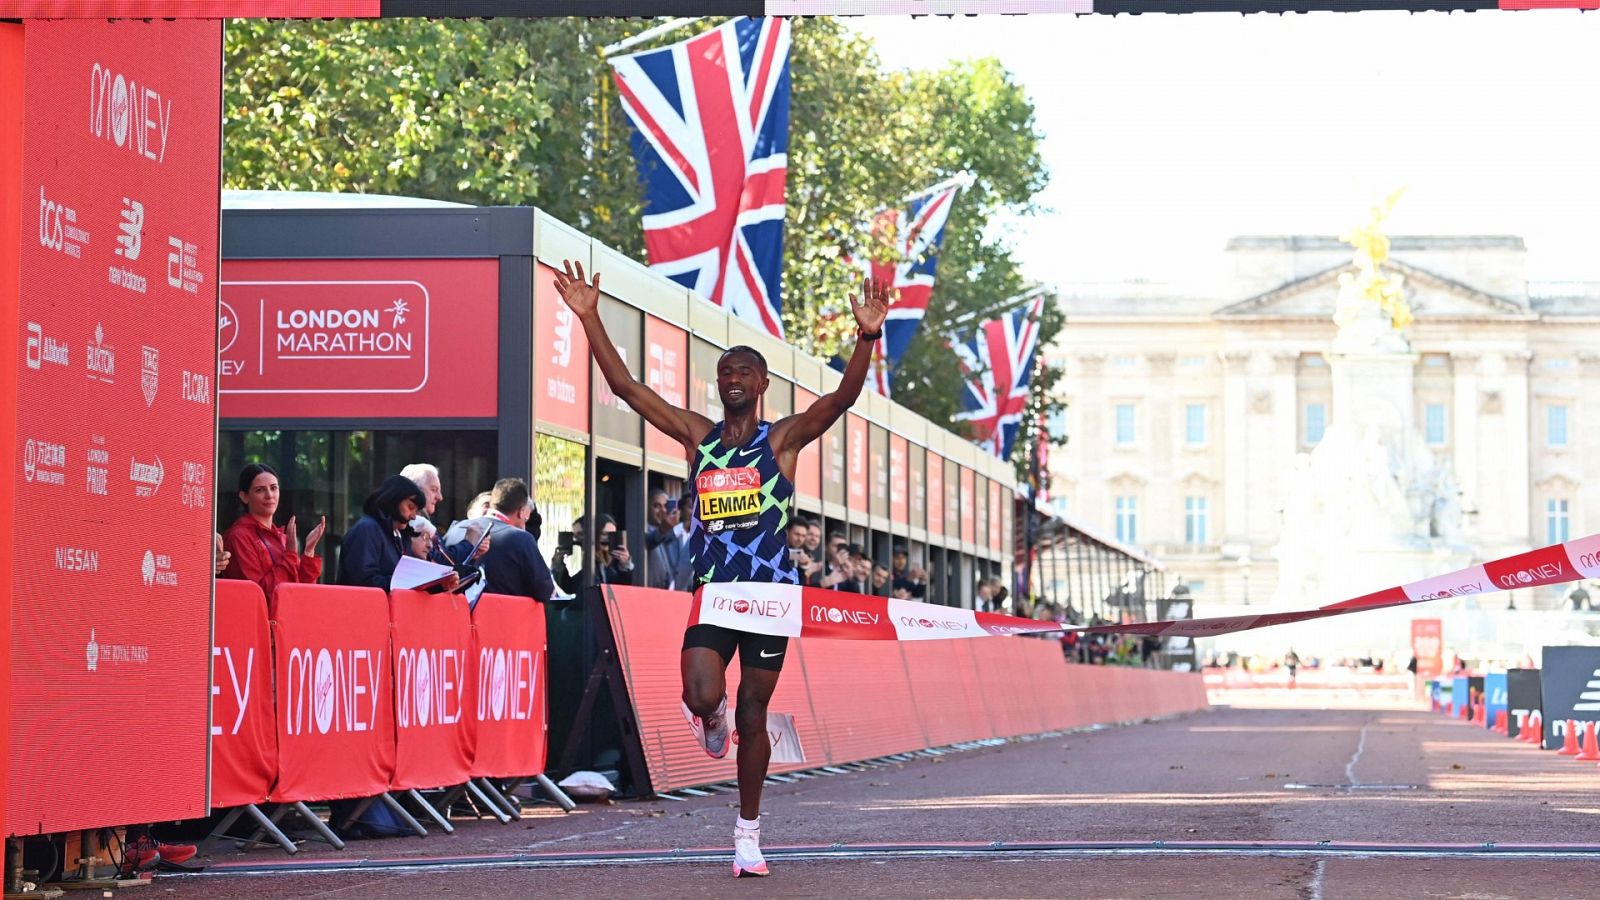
(873, 306)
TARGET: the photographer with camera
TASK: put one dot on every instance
(612, 565)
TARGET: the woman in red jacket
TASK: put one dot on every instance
(262, 552)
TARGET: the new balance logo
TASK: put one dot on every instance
(131, 227)
(1589, 700)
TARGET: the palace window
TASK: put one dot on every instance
(1433, 424)
(1557, 523)
(1128, 519)
(1194, 424)
(1555, 425)
(1316, 423)
(1194, 521)
(1125, 422)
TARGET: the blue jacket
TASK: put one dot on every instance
(370, 553)
(513, 565)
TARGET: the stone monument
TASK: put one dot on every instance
(1370, 506)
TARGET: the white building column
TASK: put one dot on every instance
(1233, 432)
(1464, 427)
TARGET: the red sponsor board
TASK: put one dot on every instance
(1427, 645)
(856, 474)
(560, 358)
(1546, 565)
(115, 420)
(358, 338)
(335, 692)
(898, 472)
(808, 465)
(666, 371)
(11, 231)
(968, 519)
(244, 740)
(935, 493)
(432, 651)
(507, 686)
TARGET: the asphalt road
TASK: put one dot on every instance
(1393, 778)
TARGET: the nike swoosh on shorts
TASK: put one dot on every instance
(766, 655)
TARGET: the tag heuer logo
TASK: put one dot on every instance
(149, 373)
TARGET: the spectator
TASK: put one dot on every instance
(260, 551)
(512, 564)
(814, 540)
(480, 505)
(899, 562)
(984, 598)
(374, 544)
(426, 477)
(880, 580)
(222, 558)
(612, 565)
(661, 542)
(683, 572)
(804, 563)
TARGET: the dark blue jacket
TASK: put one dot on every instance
(513, 565)
(370, 553)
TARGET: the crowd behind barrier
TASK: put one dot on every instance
(372, 693)
(855, 700)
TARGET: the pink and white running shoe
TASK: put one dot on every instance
(747, 859)
(711, 734)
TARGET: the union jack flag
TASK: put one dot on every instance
(916, 232)
(711, 138)
(998, 363)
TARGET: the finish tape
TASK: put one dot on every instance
(793, 611)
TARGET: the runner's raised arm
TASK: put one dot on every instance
(800, 429)
(583, 298)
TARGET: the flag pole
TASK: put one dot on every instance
(962, 179)
(648, 35)
(1003, 307)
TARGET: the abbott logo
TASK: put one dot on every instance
(131, 229)
(44, 350)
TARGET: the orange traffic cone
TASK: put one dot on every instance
(1569, 746)
(1533, 730)
(1591, 752)
(1499, 721)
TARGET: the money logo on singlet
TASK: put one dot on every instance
(730, 499)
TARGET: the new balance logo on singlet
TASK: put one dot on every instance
(741, 511)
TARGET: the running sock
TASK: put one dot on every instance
(748, 824)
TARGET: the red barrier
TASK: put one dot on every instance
(336, 735)
(855, 700)
(244, 737)
(432, 652)
(508, 718)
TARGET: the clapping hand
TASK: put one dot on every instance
(581, 297)
(873, 306)
(315, 537)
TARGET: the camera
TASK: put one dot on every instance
(564, 541)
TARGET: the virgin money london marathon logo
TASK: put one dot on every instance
(765, 609)
(331, 690)
(132, 116)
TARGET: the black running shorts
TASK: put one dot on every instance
(756, 651)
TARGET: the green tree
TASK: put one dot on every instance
(513, 111)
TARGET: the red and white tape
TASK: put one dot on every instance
(793, 611)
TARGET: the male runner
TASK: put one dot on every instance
(743, 482)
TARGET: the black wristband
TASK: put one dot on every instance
(865, 336)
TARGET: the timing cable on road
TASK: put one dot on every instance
(974, 850)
